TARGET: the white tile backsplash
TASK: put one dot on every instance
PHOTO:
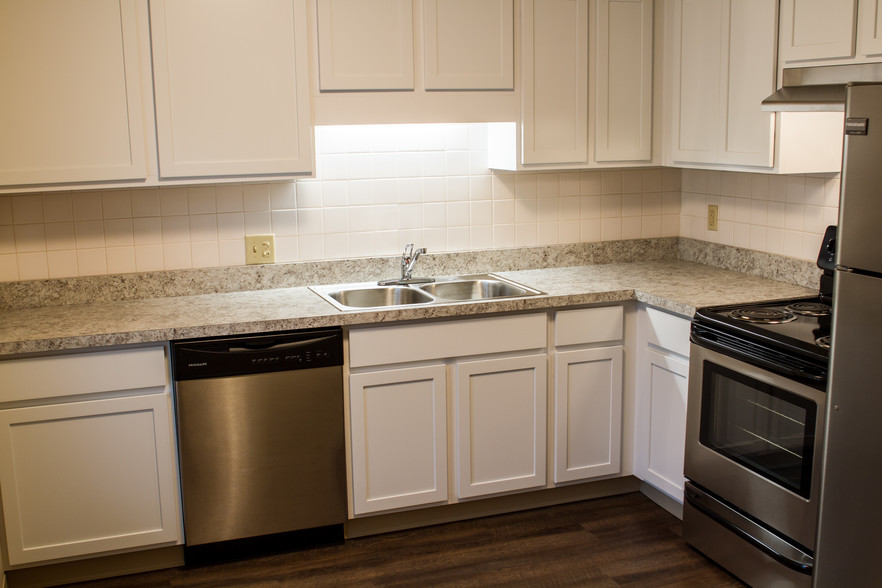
(381, 186)
(784, 215)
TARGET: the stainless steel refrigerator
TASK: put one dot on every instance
(849, 546)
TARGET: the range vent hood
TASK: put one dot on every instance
(819, 89)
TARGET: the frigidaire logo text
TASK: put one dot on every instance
(200, 364)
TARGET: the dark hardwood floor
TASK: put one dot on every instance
(619, 541)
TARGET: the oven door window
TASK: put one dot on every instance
(766, 429)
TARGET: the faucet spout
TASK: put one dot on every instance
(408, 261)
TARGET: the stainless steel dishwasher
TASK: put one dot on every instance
(260, 434)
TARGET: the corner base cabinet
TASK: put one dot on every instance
(662, 383)
(87, 461)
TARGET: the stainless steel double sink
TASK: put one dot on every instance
(370, 295)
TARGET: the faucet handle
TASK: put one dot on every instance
(408, 251)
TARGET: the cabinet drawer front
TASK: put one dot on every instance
(418, 342)
(83, 373)
(588, 325)
(668, 331)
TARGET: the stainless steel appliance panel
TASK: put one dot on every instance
(850, 527)
(781, 508)
(860, 208)
(733, 541)
(260, 434)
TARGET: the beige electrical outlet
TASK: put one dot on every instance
(713, 217)
(260, 249)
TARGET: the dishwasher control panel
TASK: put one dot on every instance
(251, 354)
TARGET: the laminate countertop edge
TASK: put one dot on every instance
(676, 286)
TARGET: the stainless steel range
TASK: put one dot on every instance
(754, 434)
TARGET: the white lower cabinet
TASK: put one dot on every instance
(86, 475)
(482, 381)
(399, 438)
(662, 384)
(500, 424)
(455, 410)
(588, 390)
(587, 413)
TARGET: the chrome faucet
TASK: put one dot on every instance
(408, 261)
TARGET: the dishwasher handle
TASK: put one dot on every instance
(252, 354)
(257, 347)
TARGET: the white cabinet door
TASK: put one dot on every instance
(722, 66)
(500, 425)
(817, 29)
(696, 79)
(623, 96)
(587, 413)
(399, 438)
(749, 133)
(661, 421)
(870, 28)
(70, 107)
(87, 477)
(231, 87)
(469, 45)
(365, 44)
(555, 96)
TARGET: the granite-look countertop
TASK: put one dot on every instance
(677, 286)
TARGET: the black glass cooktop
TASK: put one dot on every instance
(800, 326)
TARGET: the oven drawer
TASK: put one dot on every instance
(740, 545)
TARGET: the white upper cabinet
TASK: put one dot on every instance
(827, 32)
(817, 29)
(623, 105)
(228, 83)
(71, 107)
(588, 87)
(469, 45)
(415, 61)
(231, 83)
(721, 66)
(555, 101)
(365, 45)
(870, 30)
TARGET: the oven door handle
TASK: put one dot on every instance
(772, 545)
(708, 339)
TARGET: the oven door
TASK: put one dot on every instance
(753, 439)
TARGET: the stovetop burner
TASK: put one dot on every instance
(763, 315)
(797, 326)
(810, 308)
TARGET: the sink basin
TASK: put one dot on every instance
(379, 296)
(370, 295)
(476, 289)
